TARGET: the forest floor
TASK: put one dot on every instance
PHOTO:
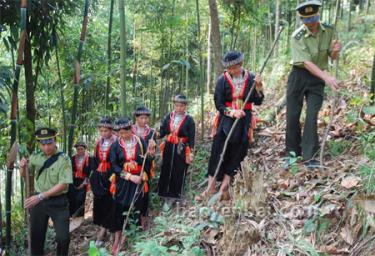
(326, 211)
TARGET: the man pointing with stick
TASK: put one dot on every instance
(312, 44)
(232, 88)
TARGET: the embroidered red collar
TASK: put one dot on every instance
(172, 117)
(129, 157)
(146, 131)
(229, 80)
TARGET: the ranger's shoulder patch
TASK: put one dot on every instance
(299, 33)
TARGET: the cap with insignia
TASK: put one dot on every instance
(123, 123)
(142, 111)
(180, 98)
(45, 135)
(105, 122)
(308, 9)
(80, 144)
(232, 58)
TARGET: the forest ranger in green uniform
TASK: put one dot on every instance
(312, 44)
(52, 170)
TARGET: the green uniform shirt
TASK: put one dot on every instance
(312, 47)
(60, 172)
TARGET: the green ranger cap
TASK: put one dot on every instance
(308, 9)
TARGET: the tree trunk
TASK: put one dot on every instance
(349, 15)
(373, 82)
(201, 84)
(216, 41)
(13, 128)
(277, 25)
(254, 46)
(62, 98)
(30, 95)
(135, 67)
(186, 50)
(232, 28)
(298, 20)
(367, 6)
(76, 79)
(109, 56)
(209, 68)
(122, 58)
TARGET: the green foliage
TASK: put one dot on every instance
(94, 251)
(306, 247)
(151, 248)
(5, 86)
(159, 244)
(338, 147)
(292, 161)
(367, 170)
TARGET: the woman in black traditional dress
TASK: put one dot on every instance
(142, 130)
(81, 173)
(177, 151)
(232, 88)
(127, 156)
(99, 178)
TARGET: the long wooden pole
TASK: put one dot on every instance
(335, 96)
(245, 102)
(136, 194)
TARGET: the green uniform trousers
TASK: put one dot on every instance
(56, 208)
(302, 84)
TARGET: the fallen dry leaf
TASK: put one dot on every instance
(346, 235)
(350, 182)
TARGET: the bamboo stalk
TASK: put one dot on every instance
(13, 119)
(122, 58)
(76, 79)
(109, 56)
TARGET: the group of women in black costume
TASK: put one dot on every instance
(124, 157)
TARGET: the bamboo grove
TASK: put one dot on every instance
(129, 53)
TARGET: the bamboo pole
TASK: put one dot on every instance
(13, 120)
(76, 80)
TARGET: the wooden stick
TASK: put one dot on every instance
(335, 98)
(245, 102)
(135, 197)
(28, 194)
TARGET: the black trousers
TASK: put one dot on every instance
(102, 210)
(234, 155)
(302, 84)
(56, 208)
(77, 199)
